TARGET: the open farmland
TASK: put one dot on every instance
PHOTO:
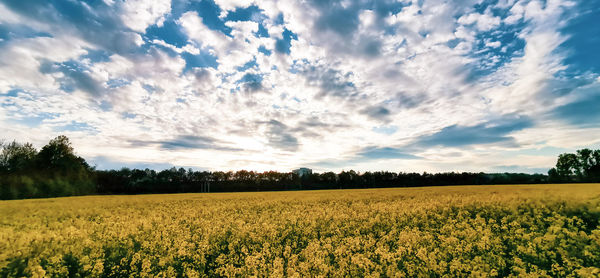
(513, 230)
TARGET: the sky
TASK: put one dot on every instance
(412, 86)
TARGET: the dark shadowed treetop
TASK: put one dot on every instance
(582, 166)
(16, 157)
(59, 155)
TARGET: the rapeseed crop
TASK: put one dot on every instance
(480, 231)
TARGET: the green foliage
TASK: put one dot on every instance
(58, 156)
(54, 171)
(492, 231)
(16, 157)
(582, 166)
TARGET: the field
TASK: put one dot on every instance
(483, 231)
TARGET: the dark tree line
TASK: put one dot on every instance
(131, 181)
(57, 171)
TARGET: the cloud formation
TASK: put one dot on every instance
(484, 133)
(373, 85)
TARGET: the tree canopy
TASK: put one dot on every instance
(582, 166)
(53, 171)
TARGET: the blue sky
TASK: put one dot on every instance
(431, 85)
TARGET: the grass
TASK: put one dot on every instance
(486, 231)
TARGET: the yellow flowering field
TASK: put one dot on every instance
(476, 231)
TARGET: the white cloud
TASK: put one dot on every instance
(484, 22)
(231, 52)
(22, 59)
(230, 5)
(516, 14)
(413, 70)
(139, 14)
(8, 16)
(186, 48)
(493, 44)
(195, 29)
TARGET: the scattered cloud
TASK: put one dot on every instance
(187, 142)
(584, 112)
(384, 153)
(279, 136)
(422, 85)
(376, 112)
(484, 133)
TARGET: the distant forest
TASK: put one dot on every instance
(56, 170)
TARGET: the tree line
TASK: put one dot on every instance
(56, 170)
